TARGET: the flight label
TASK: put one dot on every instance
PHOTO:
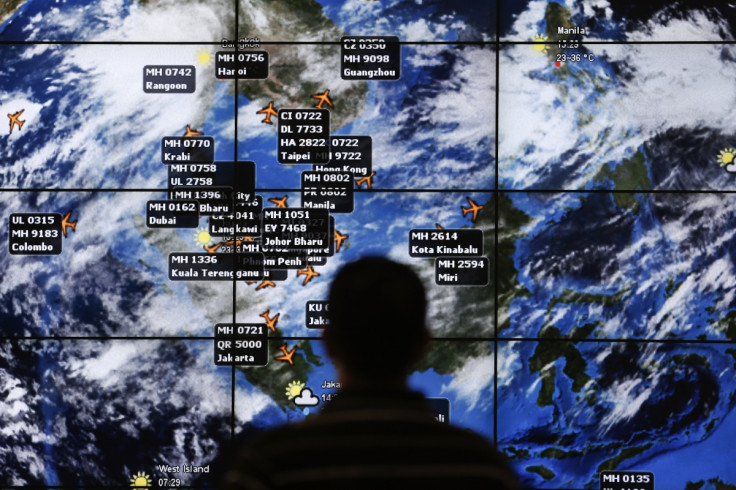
(370, 58)
(276, 259)
(318, 256)
(461, 271)
(193, 266)
(245, 65)
(627, 480)
(172, 214)
(190, 149)
(352, 154)
(328, 190)
(295, 229)
(304, 136)
(244, 221)
(212, 200)
(35, 234)
(317, 314)
(169, 79)
(445, 243)
(241, 344)
(241, 176)
(280, 258)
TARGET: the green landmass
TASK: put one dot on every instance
(542, 471)
(296, 71)
(572, 296)
(672, 286)
(727, 325)
(716, 483)
(546, 353)
(733, 354)
(584, 331)
(474, 305)
(720, 485)
(555, 16)
(630, 175)
(612, 464)
(293, 76)
(694, 486)
(8, 8)
(710, 425)
(556, 453)
(592, 448)
(691, 359)
(514, 453)
(547, 389)
(585, 118)
(271, 379)
(583, 78)
(510, 222)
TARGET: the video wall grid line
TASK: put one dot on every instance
(499, 337)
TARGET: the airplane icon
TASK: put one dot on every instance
(14, 120)
(280, 203)
(265, 284)
(190, 132)
(474, 208)
(238, 242)
(323, 97)
(268, 111)
(271, 322)
(213, 248)
(366, 180)
(439, 226)
(287, 357)
(309, 272)
(339, 239)
(65, 223)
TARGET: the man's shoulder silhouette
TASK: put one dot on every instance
(371, 439)
(376, 433)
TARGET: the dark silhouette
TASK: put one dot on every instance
(376, 433)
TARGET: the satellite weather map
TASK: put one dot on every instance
(180, 181)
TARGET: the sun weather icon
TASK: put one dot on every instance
(726, 159)
(540, 43)
(204, 57)
(202, 237)
(294, 389)
(141, 480)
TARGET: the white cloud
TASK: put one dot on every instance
(473, 381)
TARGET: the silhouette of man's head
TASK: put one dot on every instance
(377, 312)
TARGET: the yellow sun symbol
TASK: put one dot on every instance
(204, 57)
(294, 389)
(202, 237)
(726, 156)
(539, 43)
(141, 480)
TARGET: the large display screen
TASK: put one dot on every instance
(180, 181)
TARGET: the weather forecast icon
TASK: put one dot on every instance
(302, 396)
(204, 57)
(726, 159)
(141, 480)
(202, 237)
(306, 399)
(540, 43)
(294, 389)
